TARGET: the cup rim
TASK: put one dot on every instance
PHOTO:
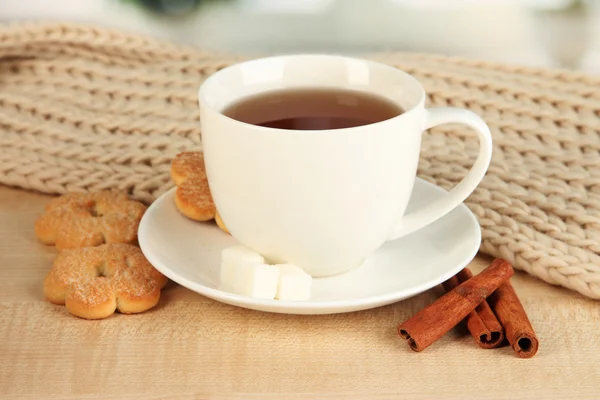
(204, 104)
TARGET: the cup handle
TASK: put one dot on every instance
(433, 211)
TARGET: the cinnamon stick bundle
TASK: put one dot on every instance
(435, 320)
(518, 330)
(481, 322)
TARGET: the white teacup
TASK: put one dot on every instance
(323, 200)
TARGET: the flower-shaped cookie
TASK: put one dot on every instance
(89, 219)
(193, 196)
(93, 282)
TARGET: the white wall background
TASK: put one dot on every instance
(524, 32)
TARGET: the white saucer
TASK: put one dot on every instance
(189, 253)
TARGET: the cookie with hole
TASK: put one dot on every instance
(192, 197)
(89, 219)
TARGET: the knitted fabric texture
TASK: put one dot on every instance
(84, 109)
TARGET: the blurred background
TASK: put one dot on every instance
(556, 33)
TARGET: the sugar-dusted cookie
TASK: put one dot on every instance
(93, 282)
(193, 196)
(89, 219)
(220, 223)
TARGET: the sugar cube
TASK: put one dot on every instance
(232, 258)
(256, 280)
(294, 284)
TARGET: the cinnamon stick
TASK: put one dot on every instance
(481, 322)
(435, 320)
(518, 330)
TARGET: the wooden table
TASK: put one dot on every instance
(193, 347)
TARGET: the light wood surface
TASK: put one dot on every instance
(191, 347)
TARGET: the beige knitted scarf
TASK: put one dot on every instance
(83, 108)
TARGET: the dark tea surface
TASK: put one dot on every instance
(313, 109)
